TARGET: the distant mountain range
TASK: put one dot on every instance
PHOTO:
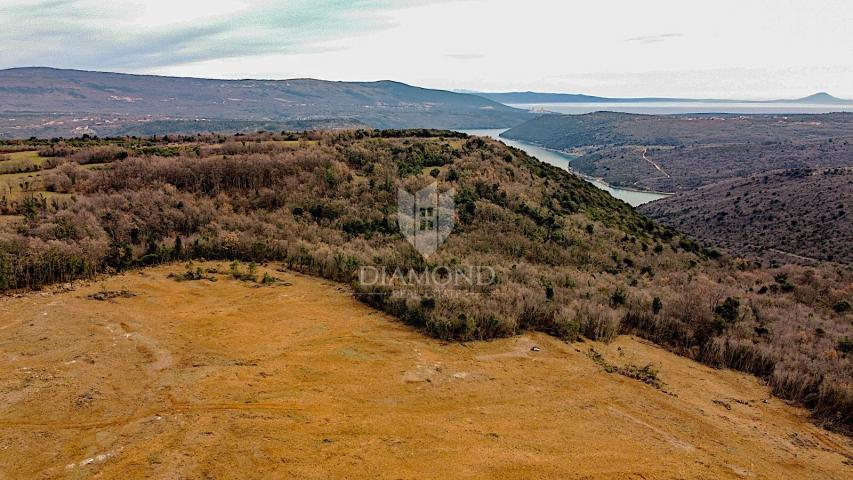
(821, 98)
(53, 102)
(49, 102)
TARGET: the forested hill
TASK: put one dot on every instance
(51, 102)
(568, 259)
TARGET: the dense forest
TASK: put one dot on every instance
(569, 259)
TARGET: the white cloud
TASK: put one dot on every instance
(732, 48)
(655, 38)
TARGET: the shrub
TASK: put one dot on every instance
(657, 305)
(597, 323)
(618, 297)
(57, 151)
(647, 374)
(566, 325)
(106, 154)
(841, 307)
(729, 310)
(249, 275)
(191, 275)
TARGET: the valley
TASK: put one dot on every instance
(712, 162)
(563, 160)
(692, 150)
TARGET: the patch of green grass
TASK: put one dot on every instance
(26, 182)
(21, 156)
(21, 162)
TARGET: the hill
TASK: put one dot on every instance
(49, 102)
(822, 97)
(564, 132)
(532, 248)
(679, 152)
(299, 380)
(788, 216)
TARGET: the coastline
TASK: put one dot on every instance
(585, 176)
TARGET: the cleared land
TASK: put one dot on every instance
(224, 379)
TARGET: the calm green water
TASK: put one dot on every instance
(563, 160)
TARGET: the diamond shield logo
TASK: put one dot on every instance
(426, 218)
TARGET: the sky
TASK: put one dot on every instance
(742, 49)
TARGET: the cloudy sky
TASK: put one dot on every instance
(726, 48)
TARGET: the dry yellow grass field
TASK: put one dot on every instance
(228, 379)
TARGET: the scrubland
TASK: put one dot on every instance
(569, 260)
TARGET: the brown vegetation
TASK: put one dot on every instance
(569, 259)
(790, 216)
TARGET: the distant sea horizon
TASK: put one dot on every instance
(674, 108)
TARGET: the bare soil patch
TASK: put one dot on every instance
(299, 380)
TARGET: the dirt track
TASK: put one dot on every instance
(226, 380)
